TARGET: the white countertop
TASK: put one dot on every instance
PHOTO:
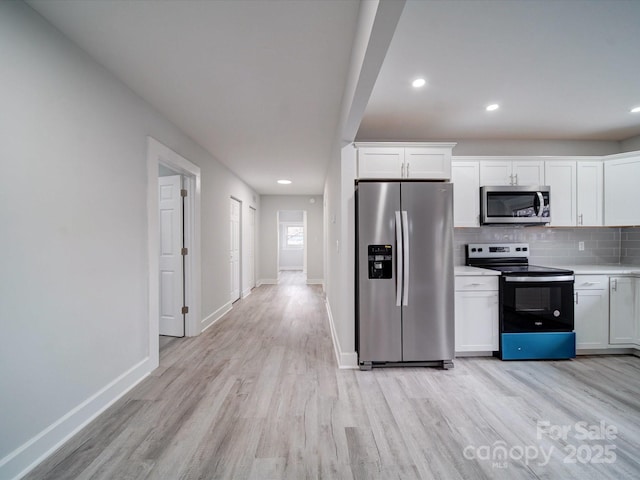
(602, 269)
(462, 270)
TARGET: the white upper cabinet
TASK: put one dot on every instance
(590, 192)
(576, 192)
(511, 172)
(466, 193)
(561, 177)
(380, 162)
(429, 161)
(622, 190)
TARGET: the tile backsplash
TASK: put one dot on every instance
(559, 246)
(630, 246)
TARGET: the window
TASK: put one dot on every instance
(294, 236)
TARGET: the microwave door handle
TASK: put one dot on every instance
(541, 202)
(399, 260)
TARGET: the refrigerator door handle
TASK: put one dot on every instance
(399, 265)
(405, 256)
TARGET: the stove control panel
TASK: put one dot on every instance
(498, 250)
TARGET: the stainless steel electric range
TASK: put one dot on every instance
(536, 303)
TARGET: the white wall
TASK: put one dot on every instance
(270, 205)
(74, 288)
(630, 144)
(536, 147)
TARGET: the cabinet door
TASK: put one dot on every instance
(428, 163)
(621, 192)
(622, 322)
(495, 173)
(590, 193)
(591, 318)
(476, 319)
(466, 194)
(561, 177)
(380, 162)
(528, 173)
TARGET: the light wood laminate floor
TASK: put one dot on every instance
(259, 396)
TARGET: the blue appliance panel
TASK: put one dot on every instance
(538, 346)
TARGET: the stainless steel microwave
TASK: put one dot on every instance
(515, 205)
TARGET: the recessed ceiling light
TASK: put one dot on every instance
(419, 82)
(635, 110)
(284, 182)
(492, 107)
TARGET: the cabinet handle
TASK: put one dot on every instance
(614, 284)
(511, 179)
(580, 221)
(516, 179)
(577, 301)
(402, 170)
(407, 169)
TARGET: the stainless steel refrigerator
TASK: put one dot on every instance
(404, 273)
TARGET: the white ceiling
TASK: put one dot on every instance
(560, 70)
(259, 84)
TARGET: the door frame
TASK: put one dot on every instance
(157, 154)
(240, 249)
(251, 242)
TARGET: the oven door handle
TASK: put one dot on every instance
(543, 279)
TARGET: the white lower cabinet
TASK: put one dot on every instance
(591, 311)
(476, 317)
(622, 310)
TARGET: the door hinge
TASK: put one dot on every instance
(184, 251)
(185, 310)
(183, 193)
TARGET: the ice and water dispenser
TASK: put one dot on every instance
(380, 261)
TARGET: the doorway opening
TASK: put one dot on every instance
(173, 250)
(164, 163)
(292, 245)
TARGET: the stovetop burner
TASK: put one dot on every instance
(508, 258)
(529, 270)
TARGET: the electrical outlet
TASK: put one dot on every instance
(581, 246)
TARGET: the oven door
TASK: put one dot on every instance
(536, 304)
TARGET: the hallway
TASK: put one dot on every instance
(259, 396)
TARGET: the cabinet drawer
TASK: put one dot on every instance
(470, 283)
(591, 282)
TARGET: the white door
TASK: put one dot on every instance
(171, 260)
(234, 256)
(251, 246)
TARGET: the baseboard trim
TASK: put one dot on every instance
(26, 457)
(247, 292)
(346, 360)
(215, 316)
(474, 353)
(315, 281)
(293, 269)
(268, 281)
